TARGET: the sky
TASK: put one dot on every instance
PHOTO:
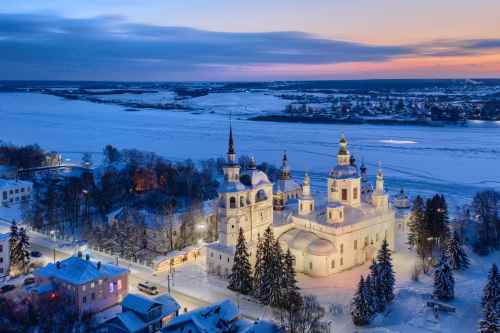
(227, 40)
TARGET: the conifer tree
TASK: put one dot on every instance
(291, 298)
(444, 283)
(378, 299)
(23, 249)
(457, 258)
(491, 303)
(490, 323)
(258, 272)
(276, 278)
(268, 271)
(15, 256)
(240, 279)
(416, 225)
(370, 295)
(386, 276)
(360, 309)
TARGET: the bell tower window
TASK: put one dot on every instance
(232, 202)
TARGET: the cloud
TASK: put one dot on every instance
(53, 47)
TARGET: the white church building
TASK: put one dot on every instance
(325, 238)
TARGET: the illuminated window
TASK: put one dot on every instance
(92, 284)
(99, 282)
(111, 287)
(84, 287)
(119, 284)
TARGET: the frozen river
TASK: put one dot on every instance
(455, 161)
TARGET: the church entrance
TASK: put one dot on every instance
(369, 253)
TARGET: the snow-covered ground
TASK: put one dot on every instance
(456, 161)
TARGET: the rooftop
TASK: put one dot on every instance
(9, 183)
(78, 271)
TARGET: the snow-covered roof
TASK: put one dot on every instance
(9, 183)
(215, 318)
(218, 318)
(138, 303)
(254, 178)
(226, 187)
(78, 271)
(286, 185)
(221, 248)
(131, 321)
(306, 241)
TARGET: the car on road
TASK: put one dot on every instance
(6, 288)
(148, 288)
(36, 254)
(29, 280)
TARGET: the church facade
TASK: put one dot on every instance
(325, 237)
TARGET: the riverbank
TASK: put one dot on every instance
(328, 120)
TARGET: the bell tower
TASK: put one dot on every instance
(306, 201)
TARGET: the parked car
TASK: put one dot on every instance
(29, 280)
(36, 254)
(148, 288)
(6, 288)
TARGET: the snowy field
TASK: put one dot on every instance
(456, 161)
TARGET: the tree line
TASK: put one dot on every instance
(272, 281)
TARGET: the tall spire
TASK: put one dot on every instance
(231, 152)
(285, 170)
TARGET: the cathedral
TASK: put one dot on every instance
(325, 237)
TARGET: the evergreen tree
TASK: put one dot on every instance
(240, 279)
(378, 299)
(268, 271)
(416, 224)
(23, 249)
(370, 295)
(490, 323)
(444, 283)
(360, 309)
(491, 303)
(457, 258)
(491, 291)
(277, 278)
(258, 271)
(292, 299)
(15, 256)
(386, 274)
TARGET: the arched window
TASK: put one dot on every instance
(242, 201)
(232, 202)
(260, 196)
(341, 248)
(330, 215)
(310, 207)
(333, 264)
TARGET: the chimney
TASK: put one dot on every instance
(79, 254)
(87, 257)
(58, 264)
(98, 265)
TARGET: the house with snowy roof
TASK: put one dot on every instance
(218, 318)
(91, 286)
(142, 315)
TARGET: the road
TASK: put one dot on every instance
(52, 252)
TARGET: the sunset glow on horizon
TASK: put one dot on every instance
(224, 40)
